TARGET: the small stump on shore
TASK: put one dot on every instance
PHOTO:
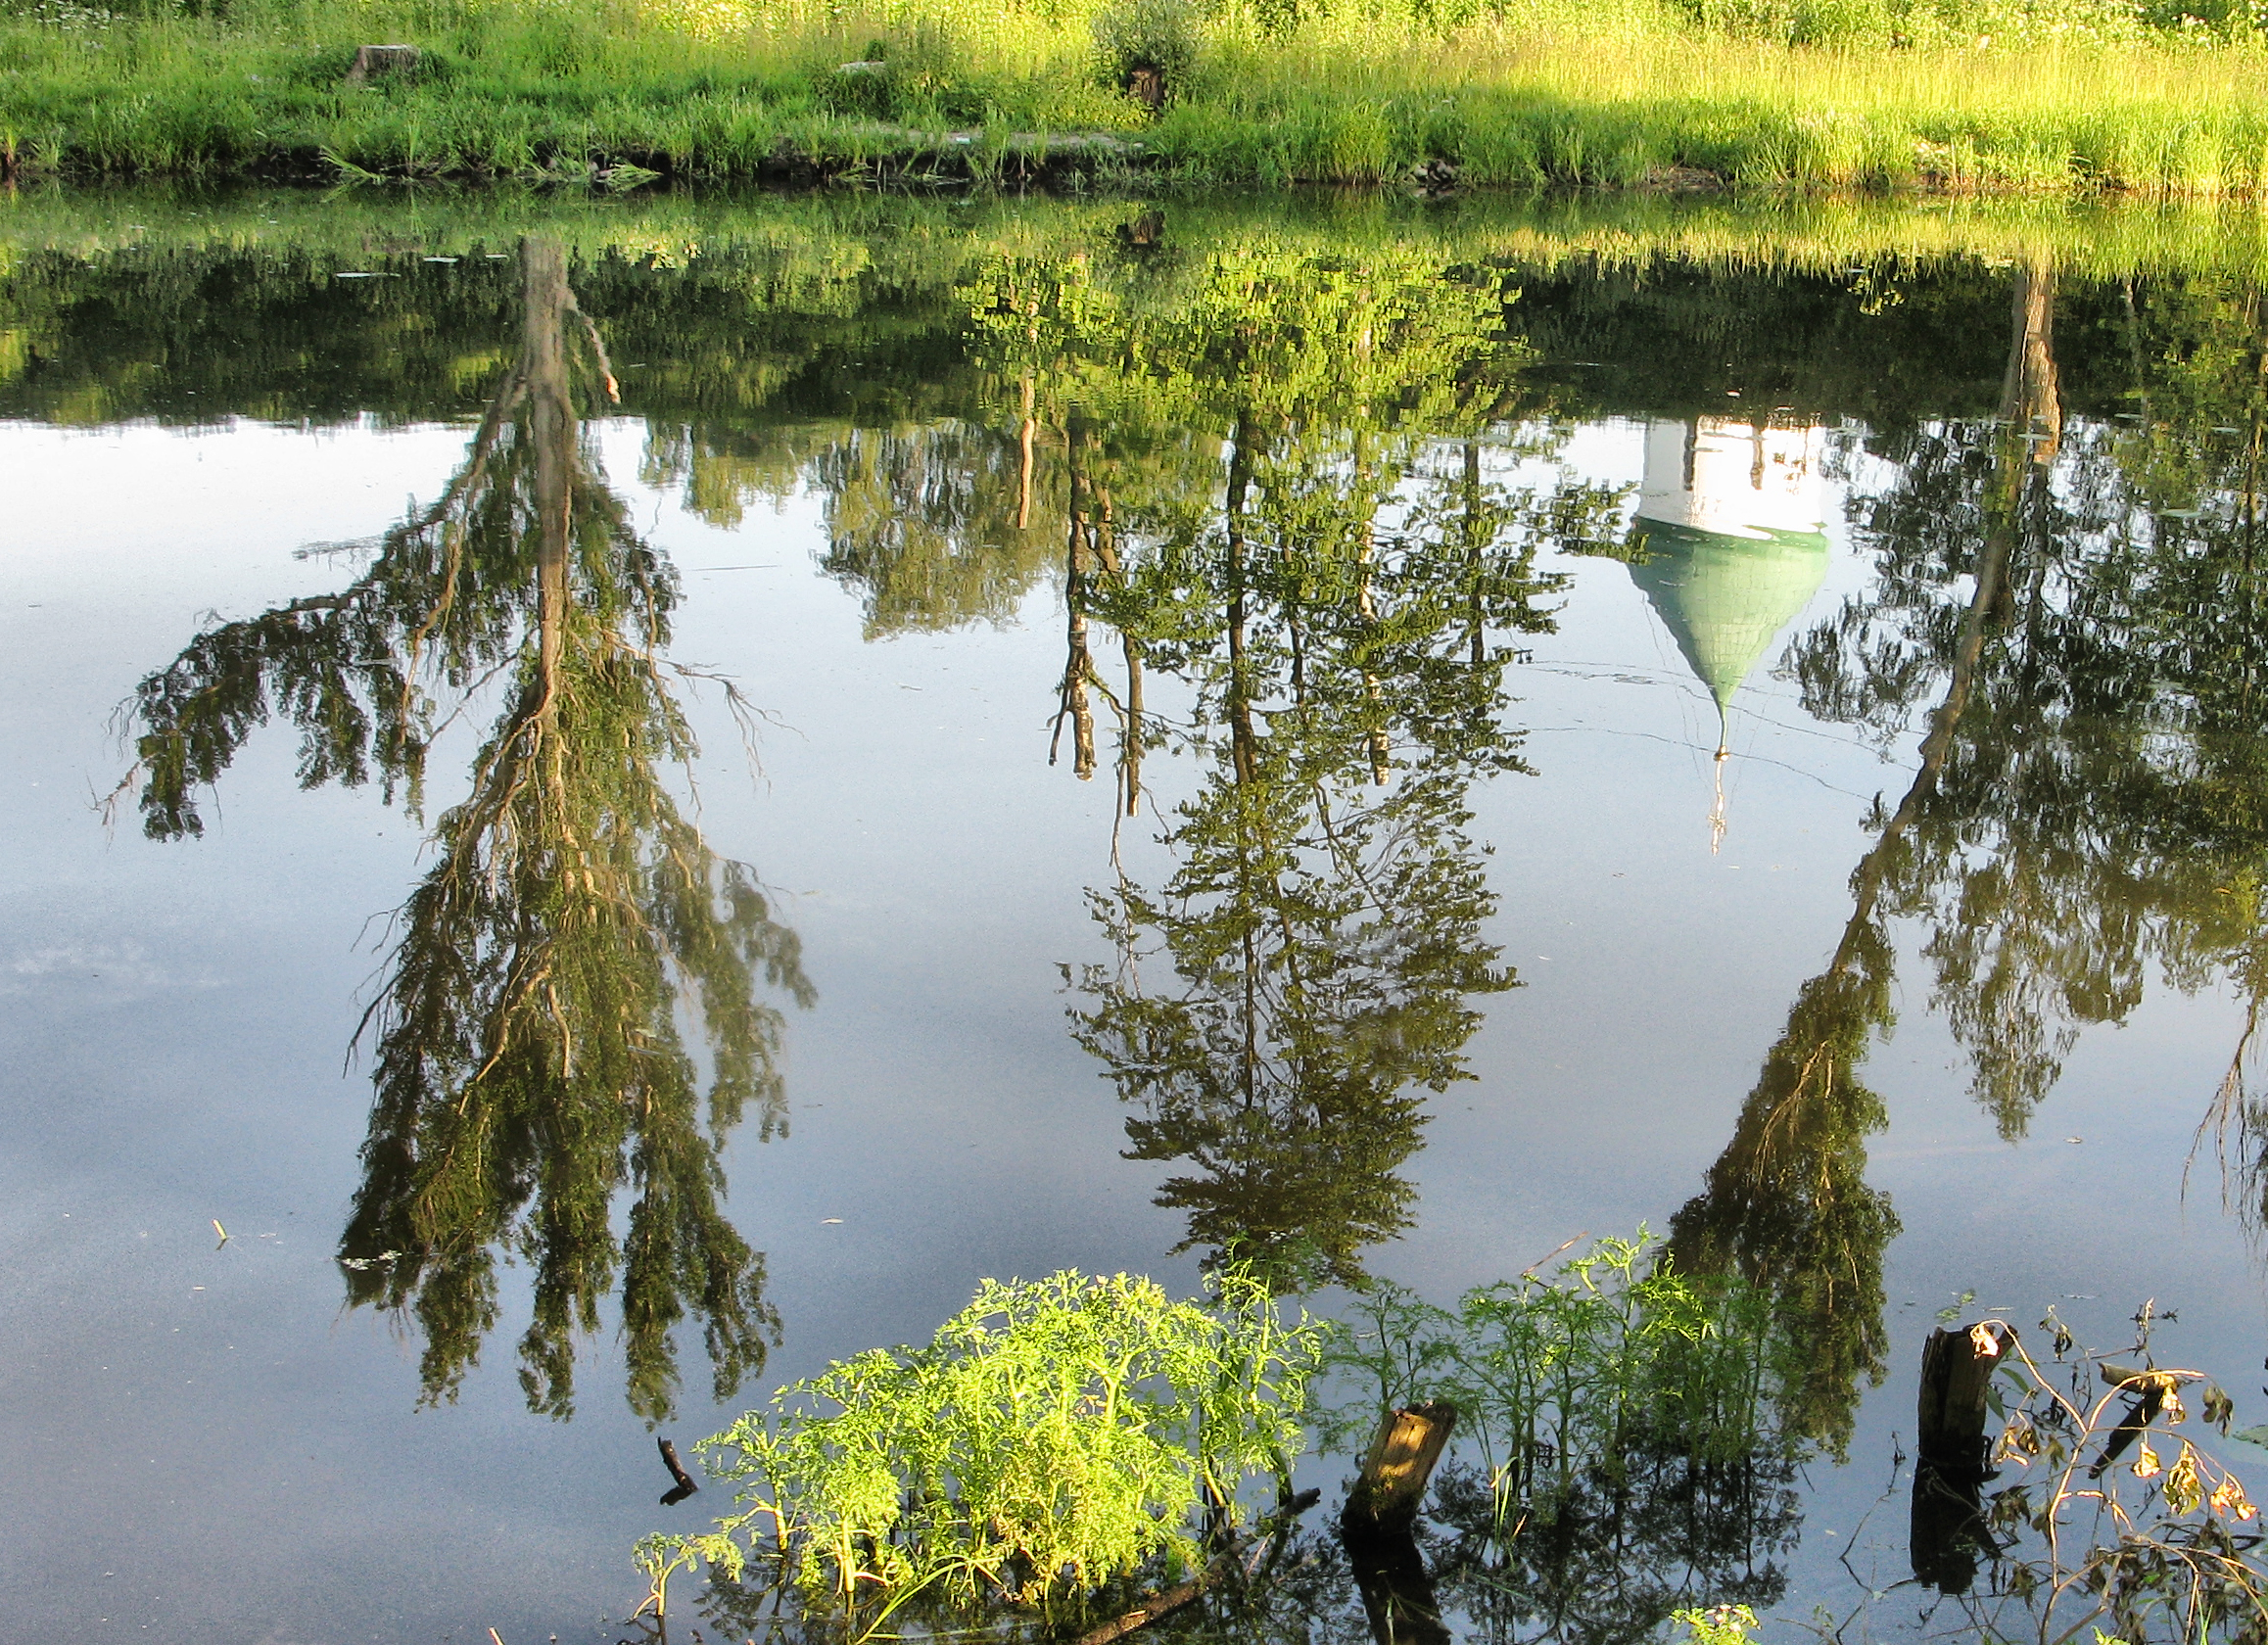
(378, 63)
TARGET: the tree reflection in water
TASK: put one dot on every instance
(1292, 544)
(1336, 621)
(1787, 1203)
(528, 1058)
(1337, 624)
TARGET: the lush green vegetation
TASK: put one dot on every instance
(1563, 1375)
(2154, 96)
(1059, 1437)
(1622, 1449)
(1052, 1436)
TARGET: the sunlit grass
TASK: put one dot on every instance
(1805, 94)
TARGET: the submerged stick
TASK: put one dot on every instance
(684, 1481)
(1174, 1598)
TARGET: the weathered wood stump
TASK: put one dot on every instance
(1400, 1462)
(1956, 1370)
(1144, 233)
(378, 63)
(1147, 86)
(1948, 1531)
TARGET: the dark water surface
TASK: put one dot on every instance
(1208, 726)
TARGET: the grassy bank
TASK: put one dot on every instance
(1955, 95)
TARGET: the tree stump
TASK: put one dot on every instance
(1395, 1474)
(378, 63)
(1956, 1370)
(1947, 1527)
(1144, 233)
(1147, 86)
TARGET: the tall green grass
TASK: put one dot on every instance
(1956, 95)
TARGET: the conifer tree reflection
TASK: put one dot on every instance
(528, 1059)
(1323, 918)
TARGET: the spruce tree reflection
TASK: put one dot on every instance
(1263, 510)
(1323, 918)
(528, 1059)
(1328, 946)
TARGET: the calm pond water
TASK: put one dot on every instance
(630, 797)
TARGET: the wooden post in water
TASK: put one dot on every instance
(1395, 1471)
(1956, 1368)
(1948, 1529)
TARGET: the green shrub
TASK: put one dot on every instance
(1560, 1376)
(1053, 1435)
(1163, 35)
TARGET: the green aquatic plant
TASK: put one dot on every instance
(1618, 1451)
(1053, 1434)
(1718, 1625)
(1557, 1377)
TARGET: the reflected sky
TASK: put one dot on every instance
(245, 1459)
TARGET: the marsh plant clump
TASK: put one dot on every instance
(1060, 1436)
(2106, 1509)
(1563, 1376)
(1625, 1449)
(1053, 1435)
